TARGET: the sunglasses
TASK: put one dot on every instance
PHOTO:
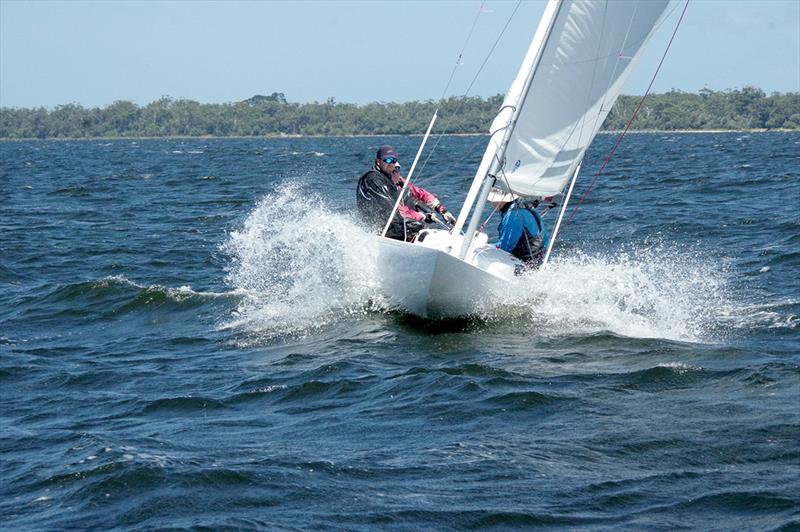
(390, 160)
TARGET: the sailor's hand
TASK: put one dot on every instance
(431, 218)
(449, 218)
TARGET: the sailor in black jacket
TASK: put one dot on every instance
(377, 194)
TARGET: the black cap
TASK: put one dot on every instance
(386, 151)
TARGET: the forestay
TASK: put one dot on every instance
(584, 60)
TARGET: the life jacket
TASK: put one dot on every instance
(529, 248)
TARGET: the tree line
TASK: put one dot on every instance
(747, 108)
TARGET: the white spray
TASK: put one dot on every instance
(302, 267)
(299, 265)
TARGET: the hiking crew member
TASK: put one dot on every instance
(521, 230)
(377, 193)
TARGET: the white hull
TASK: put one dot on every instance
(423, 279)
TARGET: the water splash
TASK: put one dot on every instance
(300, 265)
(651, 292)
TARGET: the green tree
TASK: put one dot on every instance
(744, 108)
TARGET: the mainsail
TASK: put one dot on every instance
(583, 65)
(580, 56)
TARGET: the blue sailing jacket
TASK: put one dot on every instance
(521, 232)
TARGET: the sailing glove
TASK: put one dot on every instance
(449, 218)
(432, 218)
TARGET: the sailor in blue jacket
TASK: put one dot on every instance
(521, 230)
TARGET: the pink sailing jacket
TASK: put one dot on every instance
(421, 195)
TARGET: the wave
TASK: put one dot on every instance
(113, 295)
(777, 315)
(185, 404)
(309, 153)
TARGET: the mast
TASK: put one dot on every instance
(503, 124)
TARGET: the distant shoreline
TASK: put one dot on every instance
(290, 136)
(746, 109)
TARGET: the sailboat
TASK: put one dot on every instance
(581, 54)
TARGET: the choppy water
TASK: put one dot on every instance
(190, 337)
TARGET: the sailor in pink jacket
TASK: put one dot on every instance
(424, 197)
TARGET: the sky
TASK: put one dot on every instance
(96, 52)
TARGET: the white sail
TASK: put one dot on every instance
(579, 72)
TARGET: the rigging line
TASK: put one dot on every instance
(447, 86)
(628, 125)
(474, 79)
(496, 42)
(461, 53)
(505, 179)
(470, 149)
(486, 222)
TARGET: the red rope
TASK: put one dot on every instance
(628, 125)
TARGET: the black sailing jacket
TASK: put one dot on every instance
(375, 198)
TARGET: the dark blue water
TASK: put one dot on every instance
(190, 338)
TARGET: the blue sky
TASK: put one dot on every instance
(93, 53)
